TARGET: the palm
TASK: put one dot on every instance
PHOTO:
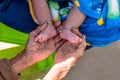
(42, 50)
(68, 50)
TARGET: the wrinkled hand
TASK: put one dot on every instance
(68, 54)
(69, 50)
(39, 51)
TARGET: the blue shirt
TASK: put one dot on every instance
(99, 30)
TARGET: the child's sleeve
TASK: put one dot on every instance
(91, 8)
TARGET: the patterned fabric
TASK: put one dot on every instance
(99, 28)
(60, 9)
(113, 14)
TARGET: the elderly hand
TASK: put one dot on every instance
(39, 51)
(35, 51)
(67, 55)
(69, 50)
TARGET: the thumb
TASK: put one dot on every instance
(57, 24)
(77, 32)
(38, 30)
(42, 27)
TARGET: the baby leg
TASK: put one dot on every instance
(67, 34)
(46, 34)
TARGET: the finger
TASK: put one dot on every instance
(84, 39)
(57, 38)
(76, 31)
(60, 29)
(60, 43)
(81, 48)
(41, 28)
(38, 30)
(57, 24)
(82, 44)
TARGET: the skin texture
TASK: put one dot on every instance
(35, 51)
(74, 20)
(42, 14)
(67, 55)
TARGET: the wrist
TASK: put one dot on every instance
(17, 57)
(21, 62)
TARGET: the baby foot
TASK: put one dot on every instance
(46, 34)
(70, 36)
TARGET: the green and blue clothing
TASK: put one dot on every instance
(100, 30)
(99, 27)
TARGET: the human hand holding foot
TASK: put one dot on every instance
(41, 50)
(67, 55)
(47, 33)
(67, 34)
(35, 51)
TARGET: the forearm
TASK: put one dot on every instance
(60, 69)
(75, 18)
(6, 71)
(57, 72)
(41, 10)
(21, 62)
